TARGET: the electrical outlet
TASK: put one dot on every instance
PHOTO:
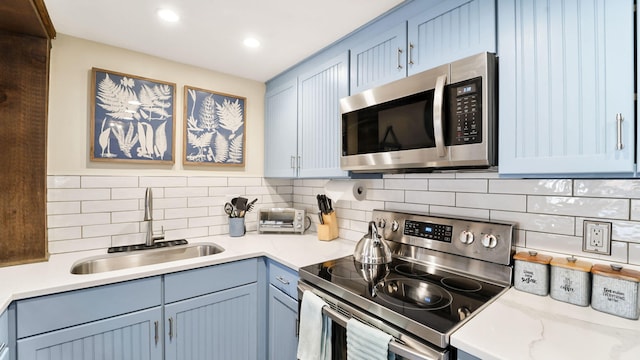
(596, 237)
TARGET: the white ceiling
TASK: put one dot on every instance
(210, 32)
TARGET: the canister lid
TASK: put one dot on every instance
(616, 272)
(571, 263)
(532, 256)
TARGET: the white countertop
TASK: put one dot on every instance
(294, 251)
(517, 325)
(520, 325)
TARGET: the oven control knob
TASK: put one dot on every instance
(395, 226)
(466, 237)
(489, 241)
(382, 223)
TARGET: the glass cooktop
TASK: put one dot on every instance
(432, 297)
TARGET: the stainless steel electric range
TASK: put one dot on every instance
(444, 271)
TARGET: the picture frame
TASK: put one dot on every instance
(214, 128)
(132, 118)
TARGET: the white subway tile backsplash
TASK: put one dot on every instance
(458, 185)
(459, 212)
(363, 205)
(245, 181)
(352, 215)
(609, 188)
(230, 192)
(65, 233)
(78, 194)
(431, 197)
(66, 207)
(185, 192)
(284, 189)
(109, 206)
(406, 207)
(553, 242)
(108, 182)
(477, 175)
(134, 193)
(172, 224)
(577, 206)
(129, 239)
(136, 215)
(277, 182)
(166, 203)
(563, 225)
(492, 201)
(557, 187)
(65, 246)
(110, 229)
(187, 233)
(204, 201)
(162, 181)
(259, 190)
(635, 210)
(63, 182)
(634, 254)
(406, 184)
(57, 221)
(319, 183)
(385, 195)
(177, 213)
(206, 181)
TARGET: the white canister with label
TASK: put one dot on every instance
(615, 291)
(532, 272)
(571, 280)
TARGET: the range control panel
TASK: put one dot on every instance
(473, 238)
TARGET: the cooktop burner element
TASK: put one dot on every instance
(428, 290)
(415, 294)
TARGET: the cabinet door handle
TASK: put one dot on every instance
(399, 59)
(410, 54)
(293, 162)
(170, 329)
(157, 334)
(438, 104)
(619, 120)
(282, 280)
(297, 327)
(299, 165)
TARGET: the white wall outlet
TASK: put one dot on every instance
(596, 237)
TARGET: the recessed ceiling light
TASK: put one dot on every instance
(168, 15)
(251, 42)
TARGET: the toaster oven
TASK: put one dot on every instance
(282, 220)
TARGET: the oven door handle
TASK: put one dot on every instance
(394, 346)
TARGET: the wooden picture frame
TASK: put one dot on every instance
(132, 118)
(214, 128)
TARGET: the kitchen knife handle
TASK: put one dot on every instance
(399, 59)
(170, 329)
(619, 120)
(438, 107)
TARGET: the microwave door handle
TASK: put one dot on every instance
(438, 104)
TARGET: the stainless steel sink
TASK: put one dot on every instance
(102, 263)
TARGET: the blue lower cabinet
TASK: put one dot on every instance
(222, 325)
(135, 336)
(283, 325)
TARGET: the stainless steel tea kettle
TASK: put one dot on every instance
(371, 249)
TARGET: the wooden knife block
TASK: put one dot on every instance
(329, 230)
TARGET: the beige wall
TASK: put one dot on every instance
(69, 110)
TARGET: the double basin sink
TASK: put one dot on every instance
(110, 262)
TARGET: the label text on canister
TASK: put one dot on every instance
(567, 285)
(529, 277)
(613, 295)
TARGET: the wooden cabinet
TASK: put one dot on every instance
(283, 312)
(302, 122)
(565, 82)
(25, 33)
(448, 31)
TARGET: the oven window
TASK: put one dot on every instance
(401, 124)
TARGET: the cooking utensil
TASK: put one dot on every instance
(241, 206)
(229, 209)
(373, 274)
(372, 249)
(251, 204)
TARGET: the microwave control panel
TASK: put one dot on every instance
(466, 112)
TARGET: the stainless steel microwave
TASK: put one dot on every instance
(443, 118)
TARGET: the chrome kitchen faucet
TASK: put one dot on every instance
(148, 218)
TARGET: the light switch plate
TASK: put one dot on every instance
(596, 237)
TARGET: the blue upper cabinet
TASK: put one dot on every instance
(566, 87)
(280, 130)
(380, 59)
(444, 32)
(450, 31)
(319, 119)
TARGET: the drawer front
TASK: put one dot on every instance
(57, 311)
(283, 278)
(192, 283)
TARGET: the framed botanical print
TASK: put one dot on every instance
(132, 118)
(215, 126)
